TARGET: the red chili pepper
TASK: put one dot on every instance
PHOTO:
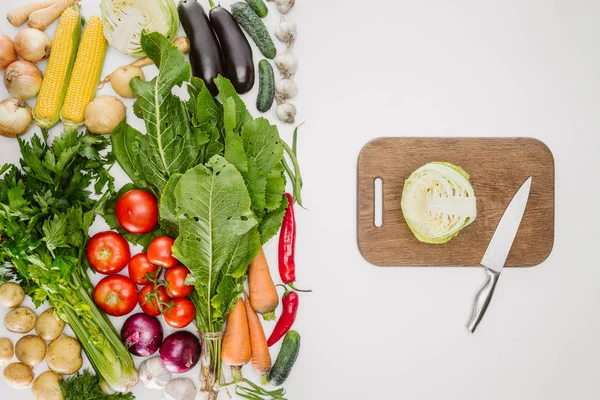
(287, 244)
(290, 302)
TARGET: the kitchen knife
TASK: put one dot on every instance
(497, 252)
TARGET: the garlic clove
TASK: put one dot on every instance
(285, 89)
(286, 31)
(286, 112)
(153, 375)
(286, 63)
(180, 389)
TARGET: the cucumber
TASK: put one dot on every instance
(266, 86)
(259, 7)
(285, 359)
(256, 29)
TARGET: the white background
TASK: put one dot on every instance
(438, 68)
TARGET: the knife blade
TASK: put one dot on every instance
(497, 252)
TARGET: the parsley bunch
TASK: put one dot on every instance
(46, 210)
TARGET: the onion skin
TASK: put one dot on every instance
(32, 45)
(142, 334)
(180, 352)
(23, 80)
(7, 52)
(15, 117)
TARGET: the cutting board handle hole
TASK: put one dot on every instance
(378, 206)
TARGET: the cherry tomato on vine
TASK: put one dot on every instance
(140, 268)
(180, 314)
(108, 252)
(148, 302)
(137, 211)
(160, 253)
(175, 278)
(116, 295)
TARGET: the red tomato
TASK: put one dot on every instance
(140, 268)
(116, 295)
(175, 278)
(159, 252)
(148, 302)
(180, 314)
(137, 211)
(108, 252)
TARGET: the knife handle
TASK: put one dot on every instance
(482, 301)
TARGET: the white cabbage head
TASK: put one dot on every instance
(438, 201)
(125, 20)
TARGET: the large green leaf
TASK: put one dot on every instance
(125, 149)
(217, 234)
(168, 207)
(168, 146)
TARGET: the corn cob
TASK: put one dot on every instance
(56, 80)
(86, 72)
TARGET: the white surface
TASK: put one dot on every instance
(439, 68)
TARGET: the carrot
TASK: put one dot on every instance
(236, 350)
(261, 359)
(41, 19)
(19, 15)
(263, 293)
(182, 43)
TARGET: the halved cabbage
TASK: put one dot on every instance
(124, 21)
(438, 201)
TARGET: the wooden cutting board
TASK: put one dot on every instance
(497, 166)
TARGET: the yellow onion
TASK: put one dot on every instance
(7, 52)
(15, 117)
(23, 80)
(32, 45)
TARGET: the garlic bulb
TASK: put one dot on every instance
(180, 389)
(286, 63)
(284, 6)
(285, 89)
(286, 31)
(23, 80)
(153, 375)
(32, 45)
(286, 112)
(15, 117)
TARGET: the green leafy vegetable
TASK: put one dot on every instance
(168, 146)
(218, 236)
(5, 274)
(219, 174)
(46, 210)
(86, 386)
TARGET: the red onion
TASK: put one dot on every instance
(180, 352)
(142, 334)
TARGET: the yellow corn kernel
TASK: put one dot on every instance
(86, 72)
(60, 64)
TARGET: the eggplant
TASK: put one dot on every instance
(237, 53)
(206, 57)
